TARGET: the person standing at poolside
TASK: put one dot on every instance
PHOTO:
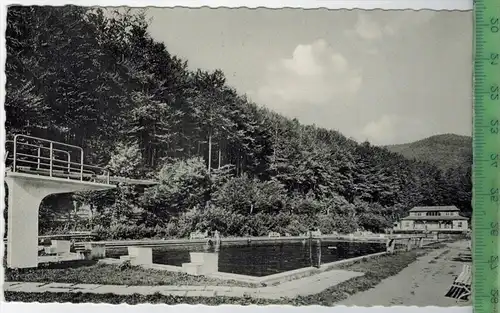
(217, 240)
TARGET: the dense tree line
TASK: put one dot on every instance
(97, 79)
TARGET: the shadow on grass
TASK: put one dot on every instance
(69, 264)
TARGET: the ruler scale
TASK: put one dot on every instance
(486, 172)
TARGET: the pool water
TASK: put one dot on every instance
(262, 259)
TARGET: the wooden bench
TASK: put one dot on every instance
(198, 235)
(461, 287)
(465, 257)
(274, 235)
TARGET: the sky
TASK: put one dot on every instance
(388, 77)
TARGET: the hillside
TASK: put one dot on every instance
(444, 151)
(222, 161)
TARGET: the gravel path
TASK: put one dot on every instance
(422, 283)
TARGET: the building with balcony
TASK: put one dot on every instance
(433, 218)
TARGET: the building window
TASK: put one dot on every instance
(433, 213)
(459, 224)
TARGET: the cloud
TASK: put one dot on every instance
(380, 130)
(392, 128)
(315, 74)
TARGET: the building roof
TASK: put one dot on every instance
(434, 218)
(445, 208)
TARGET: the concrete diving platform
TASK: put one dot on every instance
(25, 193)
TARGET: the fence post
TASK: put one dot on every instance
(69, 164)
(38, 159)
(310, 249)
(81, 164)
(318, 252)
(14, 157)
(51, 157)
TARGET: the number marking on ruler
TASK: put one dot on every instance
(486, 174)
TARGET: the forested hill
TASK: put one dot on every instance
(100, 81)
(444, 151)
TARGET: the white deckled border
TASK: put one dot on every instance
(310, 4)
(184, 308)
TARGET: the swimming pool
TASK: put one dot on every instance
(262, 259)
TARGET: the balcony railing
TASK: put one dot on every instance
(38, 156)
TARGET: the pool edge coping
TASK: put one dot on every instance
(292, 274)
(272, 279)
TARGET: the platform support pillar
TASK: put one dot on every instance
(25, 193)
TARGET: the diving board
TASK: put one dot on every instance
(34, 171)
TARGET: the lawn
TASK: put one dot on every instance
(375, 269)
(107, 274)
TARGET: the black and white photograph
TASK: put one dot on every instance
(181, 155)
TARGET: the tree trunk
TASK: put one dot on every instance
(91, 207)
(219, 156)
(209, 151)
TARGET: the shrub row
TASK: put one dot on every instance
(228, 224)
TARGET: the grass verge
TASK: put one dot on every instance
(106, 274)
(375, 269)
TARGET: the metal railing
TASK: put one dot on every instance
(29, 158)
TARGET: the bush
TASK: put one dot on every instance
(297, 226)
(227, 223)
(101, 232)
(171, 230)
(305, 205)
(183, 186)
(159, 232)
(125, 265)
(119, 231)
(248, 196)
(186, 223)
(126, 160)
(330, 223)
(259, 224)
